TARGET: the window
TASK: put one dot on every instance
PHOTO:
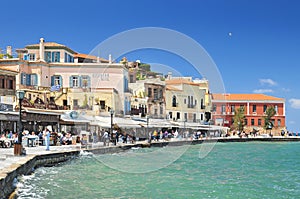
(246, 122)
(202, 104)
(48, 56)
(252, 122)
(10, 84)
(170, 115)
(276, 109)
(178, 115)
(194, 117)
(155, 91)
(55, 56)
(160, 94)
(2, 80)
(184, 101)
(32, 57)
(85, 81)
(242, 107)
(265, 108)
(185, 116)
(131, 78)
(279, 122)
(74, 81)
(259, 122)
(155, 111)
(57, 80)
(174, 101)
(149, 92)
(102, 104)
(75, 102)
(223, 109)
(201, 117)
(189, 101)
(68, 58)
(254, 108)
(232, 108)
(214, 108)
(161, 110)
(33, 79)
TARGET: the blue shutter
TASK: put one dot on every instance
(71, 81)
(52, 57)
(89, 81)
(28, 78)
(79, 81)
(25, 57)
(58, 56)
(61, 82)
(52, 80)
(22, 78)
(66, 57)
(35, 80)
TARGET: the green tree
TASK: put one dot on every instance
(270, 112)
(145, 67)
(239, 119)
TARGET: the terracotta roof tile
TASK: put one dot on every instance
(54, 44)
(180, 81)
(172, 88)
(245, 97)
(85, 56)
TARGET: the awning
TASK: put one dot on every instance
(121, 122)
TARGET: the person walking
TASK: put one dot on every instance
(105, 138)
(47, 139)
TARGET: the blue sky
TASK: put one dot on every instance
(255, 44)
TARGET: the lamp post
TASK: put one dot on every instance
(149, 136)
(111, 111)
(18, 146)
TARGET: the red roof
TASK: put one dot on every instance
(245, 97)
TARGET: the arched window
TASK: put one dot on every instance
(174, 101)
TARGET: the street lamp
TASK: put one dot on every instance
(149, 136)
(18, 146)
(111, 111)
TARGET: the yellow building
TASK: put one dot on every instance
(185, 101)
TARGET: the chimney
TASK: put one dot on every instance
(169, 75)
(109, 59)
(42, 49)
(8, 50)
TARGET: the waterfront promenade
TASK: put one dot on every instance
(11, 166)
(7, 157)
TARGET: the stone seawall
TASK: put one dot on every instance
(28, 163)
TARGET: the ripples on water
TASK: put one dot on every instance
(231, 170)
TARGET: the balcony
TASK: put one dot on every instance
(191, 105)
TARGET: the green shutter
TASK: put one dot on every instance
(52, 80)
(61, 81)
(71, 81)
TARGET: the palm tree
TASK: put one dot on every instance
(239, 119)
(270, 112)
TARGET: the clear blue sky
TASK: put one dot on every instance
(261, 55)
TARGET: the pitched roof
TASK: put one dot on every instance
(180, 81)
(12, 69)
(85, 56)
(245, 97)
(50, 45)
(172, 88)
(47, 44)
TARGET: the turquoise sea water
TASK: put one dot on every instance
(230, 170)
